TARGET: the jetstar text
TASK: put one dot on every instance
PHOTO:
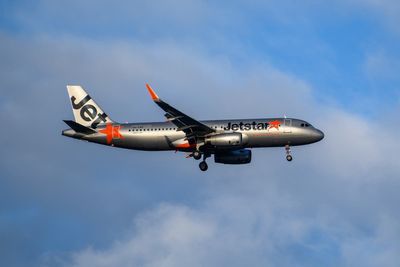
(88, 112)
(246, 126)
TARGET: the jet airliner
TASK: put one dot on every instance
(229, 141)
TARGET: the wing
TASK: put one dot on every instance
(191, 127)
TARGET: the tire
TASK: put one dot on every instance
(289, 158)
(196, 155)
(203, 166)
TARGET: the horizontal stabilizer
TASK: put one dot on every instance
(79, 128)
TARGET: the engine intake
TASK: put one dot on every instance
(241, 156)
(226, 140)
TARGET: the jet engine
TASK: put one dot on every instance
(241, 156)
(226, 140)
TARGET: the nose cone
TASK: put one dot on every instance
(319, 135)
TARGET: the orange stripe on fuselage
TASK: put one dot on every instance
(185, 145)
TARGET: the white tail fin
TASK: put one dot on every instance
(86, 111)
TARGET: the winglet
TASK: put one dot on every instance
(153, 95)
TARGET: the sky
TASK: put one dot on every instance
(64, 202)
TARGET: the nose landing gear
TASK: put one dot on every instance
(288, 156)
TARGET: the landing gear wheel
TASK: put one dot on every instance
(203, 166)
(196, 155)
(288, 156)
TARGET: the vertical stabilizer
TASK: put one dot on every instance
(85, 109)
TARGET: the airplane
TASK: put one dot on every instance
(229, 141)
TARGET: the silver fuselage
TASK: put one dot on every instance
(158, 136)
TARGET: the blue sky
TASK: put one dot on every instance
(69, 203)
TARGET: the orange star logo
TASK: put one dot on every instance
(274, 124)
(112, 132)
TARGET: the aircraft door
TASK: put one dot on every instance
(287, 125)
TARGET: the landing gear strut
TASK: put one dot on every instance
(203, 164)
(288, 156)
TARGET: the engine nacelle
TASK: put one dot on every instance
(241, 156)
(226, 140)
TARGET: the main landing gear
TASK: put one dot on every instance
(197, 156)
(288, 156)
(203, 164)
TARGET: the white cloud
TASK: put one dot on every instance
(264, 227)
